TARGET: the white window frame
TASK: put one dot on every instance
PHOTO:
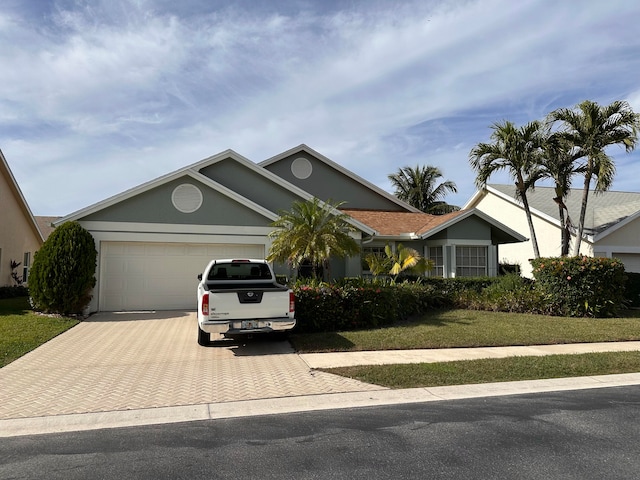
(26, 266)
(471, 243)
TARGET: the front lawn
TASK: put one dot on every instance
(493, 370)
(21, 330)
(475, 328)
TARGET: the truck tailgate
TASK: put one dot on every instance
(244, 304)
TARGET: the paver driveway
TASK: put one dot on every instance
(123, 361)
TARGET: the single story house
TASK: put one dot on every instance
(154, 239)
(612, 223)
(20, 235)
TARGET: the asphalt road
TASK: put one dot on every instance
(586, 434)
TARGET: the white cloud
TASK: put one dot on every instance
(134, 89)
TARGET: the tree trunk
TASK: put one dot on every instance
(527, 211)
(565, 235)
(583, 212)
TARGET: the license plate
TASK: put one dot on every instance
(250, 324)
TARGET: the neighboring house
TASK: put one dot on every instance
(154, 239)
(20, 236)
(612, 223)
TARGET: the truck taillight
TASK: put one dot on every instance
(292, 302)
(205, 304)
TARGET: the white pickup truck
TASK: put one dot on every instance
(242, 296)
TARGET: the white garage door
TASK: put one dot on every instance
(158, 276)
(631, 261)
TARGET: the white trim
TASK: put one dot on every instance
(304, 148)
(148, 237)
(170, 228)
(480, 214)
(613, 228)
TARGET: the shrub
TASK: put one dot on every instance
(357, 304)
(632, 292)
(581, 286)
(63, 271)
(509, 293)
(14, 291)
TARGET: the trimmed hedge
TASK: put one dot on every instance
(327, 308)
(14, 291)
(581, 286)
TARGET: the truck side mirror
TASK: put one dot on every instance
(199, 276)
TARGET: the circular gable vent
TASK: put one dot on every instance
(186, 198)
(301, 168)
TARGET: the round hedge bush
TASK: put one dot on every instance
(63, 271)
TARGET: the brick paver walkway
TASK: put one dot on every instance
(144, 360)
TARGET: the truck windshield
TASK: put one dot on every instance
(239, 271)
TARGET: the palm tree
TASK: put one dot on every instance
(313, 231)
(517, 150)
(591, 128)
(394, 263)
(558, 163)
(418, 187)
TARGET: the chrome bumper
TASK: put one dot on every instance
(262, 325)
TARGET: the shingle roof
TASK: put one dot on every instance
(603, 209)
(399, 223)
(45, 224)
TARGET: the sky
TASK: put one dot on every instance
(99, 96)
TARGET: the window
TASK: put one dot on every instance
(471, 261)
(26, 265)
(366, 251)
(437, 258)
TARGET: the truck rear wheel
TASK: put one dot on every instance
(204, 338)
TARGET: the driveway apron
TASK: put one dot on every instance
(125, 361)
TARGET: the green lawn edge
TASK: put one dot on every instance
(466, 372)
(22, 330)
(474, 328)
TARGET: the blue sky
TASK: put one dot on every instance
(98, 96)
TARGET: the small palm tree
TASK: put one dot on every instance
(419, 188)
(394, 263)
(558, 163)
(591, 128)
(517, 150)
(312, 232)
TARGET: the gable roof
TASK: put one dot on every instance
(5, 171)
(193, 171)
(317, 155)
(423, 225)
(606, 211)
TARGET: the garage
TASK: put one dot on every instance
(158, 276)
(631, 261)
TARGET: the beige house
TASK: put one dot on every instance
(20, 236)
(612, 223)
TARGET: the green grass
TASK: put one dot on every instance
(21, 330)
(493, 370)
(472, 328)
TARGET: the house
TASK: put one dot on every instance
(154, 239)
(20, 236)
(612, 223)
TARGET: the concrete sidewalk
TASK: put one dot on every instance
(390, 357)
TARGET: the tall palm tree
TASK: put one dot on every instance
(591, 128)
(518, 151)
(312, 231)
(558, 163)
(419, 188)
